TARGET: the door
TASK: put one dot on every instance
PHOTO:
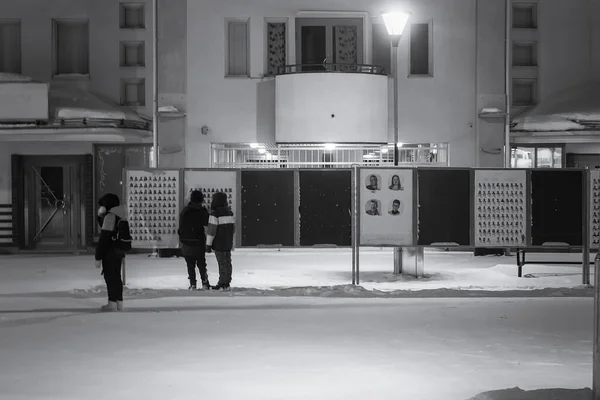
(53, 203)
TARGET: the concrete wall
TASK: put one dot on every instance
(28, 148)
(433, 109)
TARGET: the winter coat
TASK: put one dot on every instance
(200, 219)
(106, 245)
(221, 228)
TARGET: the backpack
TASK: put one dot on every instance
(122, 236)
(191, 232)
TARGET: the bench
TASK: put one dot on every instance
(521, 260)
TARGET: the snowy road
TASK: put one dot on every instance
(291, 348)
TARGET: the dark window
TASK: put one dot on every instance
(419, 50)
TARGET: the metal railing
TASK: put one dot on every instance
(77, 123)
(240, 155)
(331, 67)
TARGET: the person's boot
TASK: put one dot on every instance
(205, 285)
(120, 305)
(111, 306)
(192, 286)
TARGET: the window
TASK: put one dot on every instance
(71, 47)
(133, 54)
(132, 16)
(276, 46)
(382, 48)
(536, 157)
(237, 48)
(524, 54)
(524, 16)
(321, 41)
(133, 92)
(420, 50)
(524, 92)
(10, 46)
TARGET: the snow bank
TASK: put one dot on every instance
(545, 394)
(563, 111)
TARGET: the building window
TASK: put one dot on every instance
(524, 54)
(537, 157)
(237, 48)
(420, 50)
(524, 92)
(321, 41)
(132, 16)
(524, 16)
(133, 54)
(10, 46)
(276, 46)
(133, 92)
(382, 48)
(71, 47)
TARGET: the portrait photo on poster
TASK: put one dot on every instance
(373, 182)
(373, 208)
(396, 207)
(396, 183)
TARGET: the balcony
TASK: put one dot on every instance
(343, 103)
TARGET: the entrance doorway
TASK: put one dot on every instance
(54, 211)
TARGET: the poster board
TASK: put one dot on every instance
(557, 207)
(444, 213)
(325, 208)
(210, 182)
(268, 214)
(386, 207)
(594, 202)
(500, 208)
(153, 198)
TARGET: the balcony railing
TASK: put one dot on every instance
(343, 68)
(77, 123)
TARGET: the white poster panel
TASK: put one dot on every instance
(595, 209)
(386, 207)
(153, 208)
(500, 208)
(210, 182)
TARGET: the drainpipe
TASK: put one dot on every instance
(155, 84)
(507, 88)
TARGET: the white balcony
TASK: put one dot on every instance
(22, 99)
(331, 103)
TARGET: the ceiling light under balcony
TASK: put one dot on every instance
(330, 146)
(262, 151)
(254, 145)
(399, 144)
(384, 150)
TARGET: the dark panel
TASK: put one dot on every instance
(88, 184)
(444, 206)
(18, 197)
(556, 207)
(267, 208)
(325, 202)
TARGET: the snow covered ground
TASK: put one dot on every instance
(273, 269)
(295, 348)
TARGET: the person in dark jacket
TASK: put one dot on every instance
(107, 256)
(192, 223)
(219, 237)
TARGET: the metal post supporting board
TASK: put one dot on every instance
(586, 227)
(354, 220)
(596, 355)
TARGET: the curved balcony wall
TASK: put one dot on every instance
(330, 104)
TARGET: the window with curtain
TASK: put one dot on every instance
(10, 46)
(237, 51)
(71, 47)
(276, 46)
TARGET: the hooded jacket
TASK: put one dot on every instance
(108, 222)
(221, 224)
(199, 215)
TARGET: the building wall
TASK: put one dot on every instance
(431, 109)
(105, 73)
(31, 148)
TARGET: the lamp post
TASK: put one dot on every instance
(155, 151)
(395, 22)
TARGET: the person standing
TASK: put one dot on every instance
(219, 237)
(109, 255)
(192, 223)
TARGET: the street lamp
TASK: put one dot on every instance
(395, 22)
